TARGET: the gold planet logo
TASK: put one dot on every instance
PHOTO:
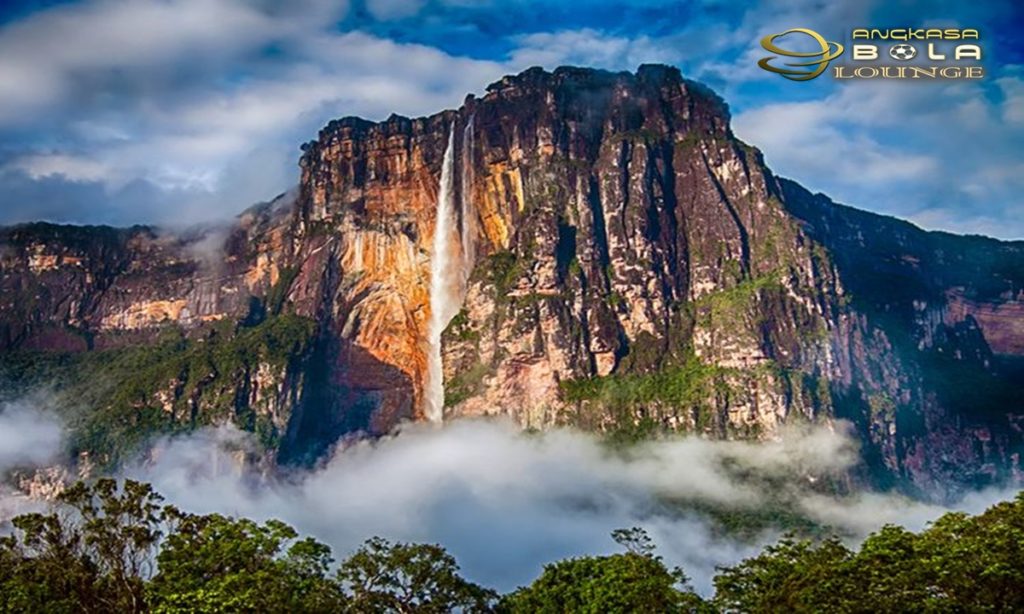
(800, 71)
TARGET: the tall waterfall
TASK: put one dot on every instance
(445, 282)
(467, 214)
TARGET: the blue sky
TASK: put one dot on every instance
(182, 111)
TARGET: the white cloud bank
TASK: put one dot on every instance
(504, 503)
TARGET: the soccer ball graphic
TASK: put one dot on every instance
(903, 52)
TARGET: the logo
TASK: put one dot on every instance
(902, 52)
(941, 53)
(828, 52)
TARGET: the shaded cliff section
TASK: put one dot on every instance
(635, 269)
(652, 274)
(132, 333)
(952, 310)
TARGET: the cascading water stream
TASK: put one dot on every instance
(467, 215)
(445, 282)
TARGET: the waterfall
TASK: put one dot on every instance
(467, 214)
(445, 281)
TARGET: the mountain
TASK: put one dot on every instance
(575, 247)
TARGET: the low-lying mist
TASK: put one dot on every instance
(504, 502)
(31, 436)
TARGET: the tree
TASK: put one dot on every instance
(214, 563)
(106, 547)
(634, 540)
(976, 563)
(795, 576)
(43, 568)
(635, 581)
(386, 577)
(91, 554)
(959, 563)
(889, 574)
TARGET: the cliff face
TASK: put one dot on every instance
(614, 258)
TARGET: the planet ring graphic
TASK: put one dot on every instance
(829, 51)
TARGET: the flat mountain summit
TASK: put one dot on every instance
(609, 256)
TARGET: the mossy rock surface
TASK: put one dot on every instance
(114, 400)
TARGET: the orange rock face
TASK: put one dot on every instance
(375, 188)
(632, 264)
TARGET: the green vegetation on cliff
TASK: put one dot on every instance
(730, 306)
(634, 399)
(465, 384)
(115, 399)
(679, 386)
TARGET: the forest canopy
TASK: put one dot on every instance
(112, 546)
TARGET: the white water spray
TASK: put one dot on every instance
(445, 281)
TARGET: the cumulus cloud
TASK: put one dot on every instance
(168, 110)
(942, 155)
(1012, 87)
(806, 137)
(589, 47)
(394, 9)
(194, 144)
(505, 502)
(41, 56)
(74, 168)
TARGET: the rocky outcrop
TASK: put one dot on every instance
(625, 264)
